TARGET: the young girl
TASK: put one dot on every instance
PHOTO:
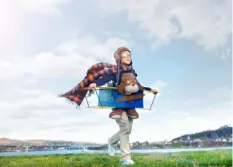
(123, 116)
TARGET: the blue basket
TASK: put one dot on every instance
(108, 97)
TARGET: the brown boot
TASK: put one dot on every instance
(115, 114)
(132, 113)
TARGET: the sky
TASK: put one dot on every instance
(181, 48)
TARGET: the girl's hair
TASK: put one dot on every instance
(117, 54)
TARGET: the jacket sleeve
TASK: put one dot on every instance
(105, 79)
(146, 88)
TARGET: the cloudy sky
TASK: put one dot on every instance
(182, 48)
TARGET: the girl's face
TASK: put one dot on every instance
(126, 58)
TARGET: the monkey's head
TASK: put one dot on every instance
(128, 84)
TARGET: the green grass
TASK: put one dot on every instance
(183, 159)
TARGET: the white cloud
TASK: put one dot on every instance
(40, 110)
(53, 118)
(221, 93)
(50, 117)
(113, 43)
(227, 53)
(21, 26)
(217, 97)
(180, 122)
(206, 22)
(46, 65)
(158, 85)
(47, 7)
(186, 116)
(10, 23)
(69, 59)
(42, 114)
(25, 103)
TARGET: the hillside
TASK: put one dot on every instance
(222, 132)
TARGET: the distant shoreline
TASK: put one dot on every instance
(161, 150)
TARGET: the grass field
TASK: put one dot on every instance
(183, 159)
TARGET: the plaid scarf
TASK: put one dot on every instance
(77, 94)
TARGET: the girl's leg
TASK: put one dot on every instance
(125, 125)
(116, 137)
(115, 114)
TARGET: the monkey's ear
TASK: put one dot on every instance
(121, 88)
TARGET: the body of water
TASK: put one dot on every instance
(105, 151)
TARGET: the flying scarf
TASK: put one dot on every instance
(96, 71)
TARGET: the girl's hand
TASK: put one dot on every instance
(154, 91)
(92, 86)
(127, 93)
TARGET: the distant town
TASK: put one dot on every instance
(221, 137)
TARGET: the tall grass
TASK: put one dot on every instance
(221, 158)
